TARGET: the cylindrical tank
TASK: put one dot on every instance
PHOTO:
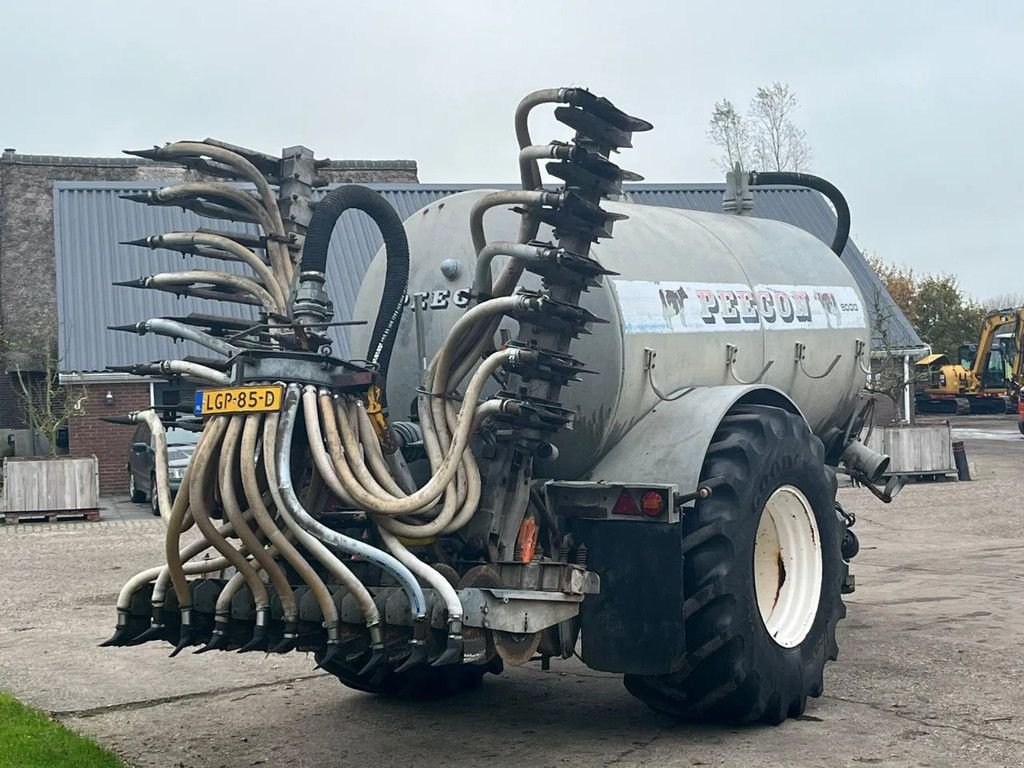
(716, 297)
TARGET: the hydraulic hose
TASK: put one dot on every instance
(177, 330)
(482, 281)
(494, 199)
(139, 580)
(530, 172)
(246, 169)
(818, 184)
(275, 247)
(205, 276)
(192, 370)
(203, 481)
(317, 548)
(332, 538)
(228, 476)
(396, 248)
(226, 249)
(528, 157)
(156, 428)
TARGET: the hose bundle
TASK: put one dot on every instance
(272, 519)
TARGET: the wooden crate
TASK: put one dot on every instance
(47, 487)
(915, 450)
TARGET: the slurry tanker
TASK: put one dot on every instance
(575, 426)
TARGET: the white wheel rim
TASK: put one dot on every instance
(787, 566)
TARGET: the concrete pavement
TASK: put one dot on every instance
(930, 667)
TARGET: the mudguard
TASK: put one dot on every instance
(635, 624)
(669, 443)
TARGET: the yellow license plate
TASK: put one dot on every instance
(238, 400)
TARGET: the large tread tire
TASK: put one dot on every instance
(137, 496)
(732, 670)
(421, 683)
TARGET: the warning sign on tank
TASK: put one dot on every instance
(672, 307)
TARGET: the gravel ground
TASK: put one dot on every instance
(929, 671)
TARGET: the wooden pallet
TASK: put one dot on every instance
(51, 516)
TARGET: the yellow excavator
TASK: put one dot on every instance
(987, 377)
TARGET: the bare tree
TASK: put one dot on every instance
(728, 129)
(887, 374)
(767, 137)
(1004, 301)
(779, 145)
(47, 404)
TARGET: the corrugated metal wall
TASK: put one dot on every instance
(90, 219)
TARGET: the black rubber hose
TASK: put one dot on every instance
(396, 246)
(818, 184)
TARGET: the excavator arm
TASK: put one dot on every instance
(990, 326)
(1017, 370)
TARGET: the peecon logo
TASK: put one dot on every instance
(744, 306)
(679, 307)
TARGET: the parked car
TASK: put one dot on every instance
(142, 462)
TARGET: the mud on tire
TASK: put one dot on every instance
(733, 670)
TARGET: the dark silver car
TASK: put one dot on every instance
(142, 462)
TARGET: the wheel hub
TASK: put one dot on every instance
(787, 566)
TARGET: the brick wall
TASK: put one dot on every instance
(12, 414)
(109, 443)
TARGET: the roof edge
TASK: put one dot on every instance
(75, 161)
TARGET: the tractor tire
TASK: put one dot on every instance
(134, 493)
(763, 551)
(421, 683)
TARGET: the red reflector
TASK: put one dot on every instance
(626, 505)
(652, 503)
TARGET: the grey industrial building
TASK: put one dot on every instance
(62, 219)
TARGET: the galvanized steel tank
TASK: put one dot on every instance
(696, 288)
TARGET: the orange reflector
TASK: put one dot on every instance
(527, 540)
(626, 505)
(652, 503)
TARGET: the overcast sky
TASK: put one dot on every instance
(914, 109)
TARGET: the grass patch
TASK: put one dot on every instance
(29, 739)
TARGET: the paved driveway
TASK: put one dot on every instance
(930, 670)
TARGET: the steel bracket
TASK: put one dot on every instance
(518, 611)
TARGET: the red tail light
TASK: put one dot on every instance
(652, 503)
(626, 505)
